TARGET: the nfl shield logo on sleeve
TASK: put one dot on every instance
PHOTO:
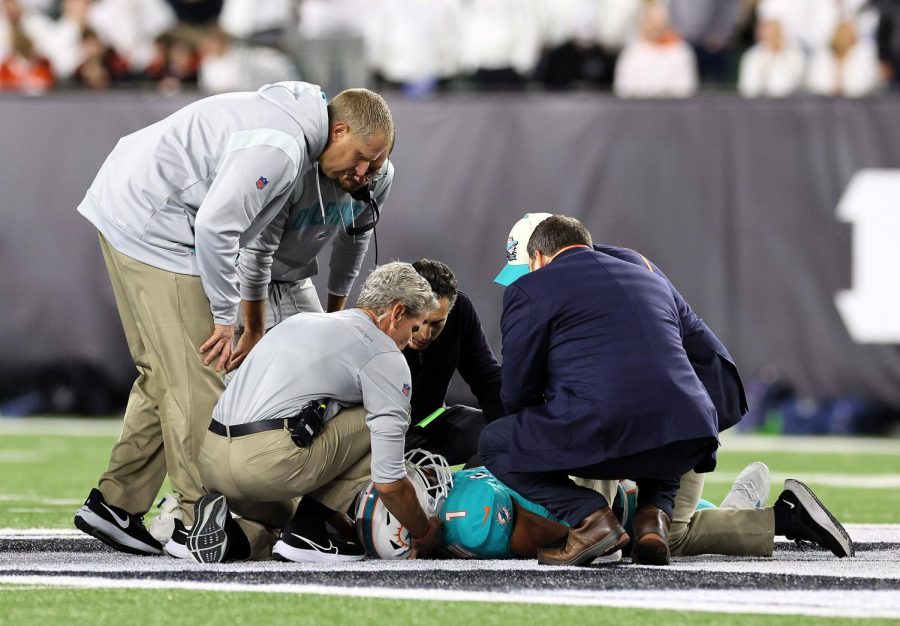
(262, 182)
(406, 389)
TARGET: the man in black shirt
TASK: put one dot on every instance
(450, 340)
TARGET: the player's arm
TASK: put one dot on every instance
(532, 532)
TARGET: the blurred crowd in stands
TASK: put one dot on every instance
(636, 48)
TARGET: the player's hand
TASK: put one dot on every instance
(218, 345)
(423, 546)
(244, 345)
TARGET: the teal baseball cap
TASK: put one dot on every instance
(517, 248)
(477, 516)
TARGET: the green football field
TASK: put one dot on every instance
(48, 466)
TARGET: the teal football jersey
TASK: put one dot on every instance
(478, 515)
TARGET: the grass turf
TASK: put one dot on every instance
(47, 476)
(28, 605)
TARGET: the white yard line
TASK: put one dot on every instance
(856, 481)
(810, 444)
(861, 604)
(112, 571)
(69, 426)
(33, 498)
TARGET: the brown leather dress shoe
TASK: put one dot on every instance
(598, 534)
(651, 527)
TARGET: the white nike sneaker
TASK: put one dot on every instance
(163, 525)
(750, 489)
(115, 527)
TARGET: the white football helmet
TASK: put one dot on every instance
(381, 534)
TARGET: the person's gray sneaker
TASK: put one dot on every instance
(750, 489)
(207, 541)
(115, 527)
(811, 521)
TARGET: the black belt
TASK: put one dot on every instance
(261, 426)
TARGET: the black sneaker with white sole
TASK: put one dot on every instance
(315, 547)
(811, 521)
(177, 545)
(115, 527)
(207, 541)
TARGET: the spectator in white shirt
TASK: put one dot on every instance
(499, 41)
(413, 41)
(243, 19)
(773, 67)
(847, 67)
(227, 65)
(658, 63)
(60, 40)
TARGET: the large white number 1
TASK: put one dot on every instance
(871, 308)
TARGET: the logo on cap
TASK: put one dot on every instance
(511, 245)
(262, 182)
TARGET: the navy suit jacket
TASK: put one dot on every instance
(710, 359)
(594, 366)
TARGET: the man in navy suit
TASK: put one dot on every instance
(599, 385)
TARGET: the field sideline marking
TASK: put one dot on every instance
(862, 604)
(855, 481)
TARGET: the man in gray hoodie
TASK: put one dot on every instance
(343, 211)
(174, 202)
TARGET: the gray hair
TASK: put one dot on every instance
(364, 111)
(397, 282)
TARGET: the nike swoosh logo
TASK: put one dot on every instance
(330, 549)
(790, 504)
(487, 514)
(123, 522)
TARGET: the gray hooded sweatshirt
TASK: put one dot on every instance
(317, 212)
(184, 194)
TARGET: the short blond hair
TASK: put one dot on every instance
(363, 111)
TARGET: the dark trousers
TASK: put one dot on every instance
(453, 434)
(656, 471)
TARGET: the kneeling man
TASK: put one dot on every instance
(599, 386)
(321, 403)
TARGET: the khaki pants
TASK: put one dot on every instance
(736, 532)
(166, 318)
(606, 488)
(263, 474)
